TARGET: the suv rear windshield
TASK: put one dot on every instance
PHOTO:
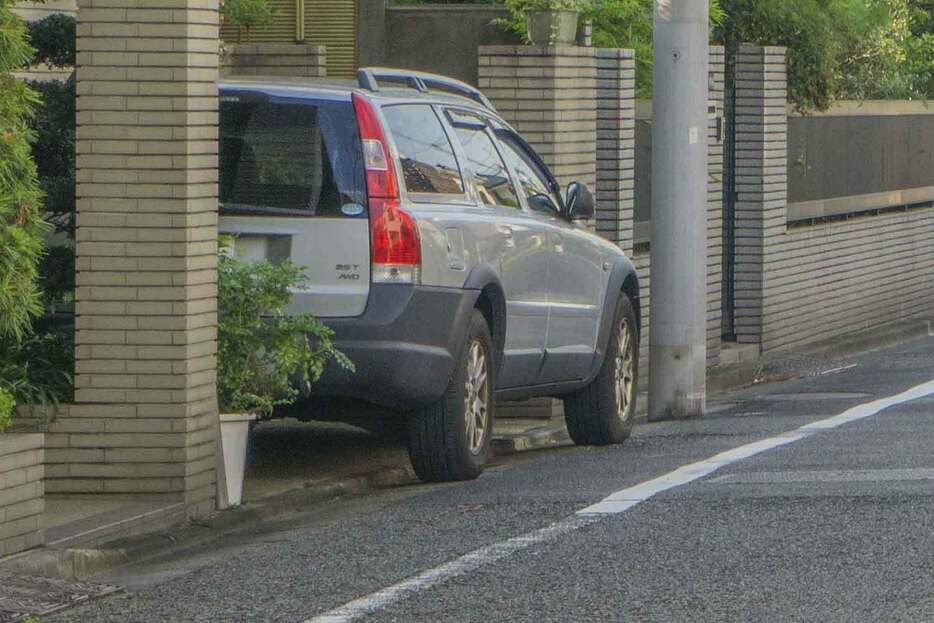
(290, 157)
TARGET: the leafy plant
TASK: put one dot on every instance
(263, 352)
(553, 5)
(246, 14)
(38, 369)
(842, 48)
(21, 223)
(517, 22)
(888, 51)
(7, 404)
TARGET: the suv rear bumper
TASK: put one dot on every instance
(404, 346)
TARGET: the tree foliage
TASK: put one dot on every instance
(21, 223)
(54, 40)
(54, 149)
(7, 404)
(38, 369)
(54, 122)
(836, 48)
(246, 15)
(841, 48)
(616, 24)
(892, 55)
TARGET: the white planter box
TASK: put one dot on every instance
(21, 491)
(235, 432)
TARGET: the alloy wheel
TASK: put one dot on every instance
(476, 398)
(623, 370)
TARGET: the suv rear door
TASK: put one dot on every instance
(452, 228)
(292, 187)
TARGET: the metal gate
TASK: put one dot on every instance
(728, 296)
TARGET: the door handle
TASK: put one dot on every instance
(506, 232)
(558, 240)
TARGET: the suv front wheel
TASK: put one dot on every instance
(450, 440)
(602, 413)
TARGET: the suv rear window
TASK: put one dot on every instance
(292, 157)
(426, 155)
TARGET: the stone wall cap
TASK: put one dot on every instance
(12, 443)
(536, 50)
(615, 53)
(275, 48)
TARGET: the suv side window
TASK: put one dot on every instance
(425, 152)
(534, 181)
(490, 177)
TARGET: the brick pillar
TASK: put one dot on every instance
(549, 96)
(761, 176)
(145, 415)
(616, 145)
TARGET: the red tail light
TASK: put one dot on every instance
(395, 235)
(395, 245)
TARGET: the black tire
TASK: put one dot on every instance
(592, 413)
(440, 447)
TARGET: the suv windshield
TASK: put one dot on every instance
(298, 157)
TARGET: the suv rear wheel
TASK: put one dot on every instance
(603, 412)
(450, 440)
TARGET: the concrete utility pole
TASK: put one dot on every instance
(678, 344)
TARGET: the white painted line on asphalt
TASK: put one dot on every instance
(459, 566)
(627, 498)
(840, 369)
(614, 504)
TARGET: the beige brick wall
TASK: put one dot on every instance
(813, 281)
(144, 421)
(21, 492)
(549, 96)
(616, 145)
(274, 59)
(828, 279)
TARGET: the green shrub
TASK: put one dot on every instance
(54, 40)
(38, 369)
(245, 15)
(7, 404)
(263, 354)
(21, 223)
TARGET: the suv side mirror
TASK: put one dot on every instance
(580, 201)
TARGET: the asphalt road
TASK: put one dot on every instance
(833, 526)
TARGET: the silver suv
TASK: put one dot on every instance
(441, 251)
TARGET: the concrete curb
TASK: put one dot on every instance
(80, 564)
(543, 437)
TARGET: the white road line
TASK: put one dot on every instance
(840, 369)
(614, 504)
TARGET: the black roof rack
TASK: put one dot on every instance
(367, 78)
